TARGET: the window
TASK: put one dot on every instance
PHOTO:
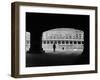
(51, 42)
(82, 42)
(76, 36)
(66, 42)
(70, 37)
(59, 42)
(70, 42)
(55, 42)
(63, 42)
(27, 42)
(66, 36)
(47, 42)
(74, 42)
(44, 42)
(79, 42)
(79, 36)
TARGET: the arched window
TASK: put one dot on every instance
(59, 42)
(51, 42)
(66, 42)
(75, 42)
(82, 42)
(44, 42)
(63, 42)
(79, 42)
(70, 42)
(55, 42)
(47, 42)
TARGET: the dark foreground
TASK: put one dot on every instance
(33, 60)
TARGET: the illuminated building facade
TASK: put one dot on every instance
(63, 40)
(27, 42)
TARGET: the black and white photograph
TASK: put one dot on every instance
(56, 39)
(52, 39)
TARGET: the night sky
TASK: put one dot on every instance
(36, 23)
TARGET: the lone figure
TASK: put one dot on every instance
(54, 47)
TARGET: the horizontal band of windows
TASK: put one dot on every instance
(62, 42)
(65, 36)
(62, 39)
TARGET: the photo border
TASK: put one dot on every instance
(15, 32)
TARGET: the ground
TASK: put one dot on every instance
(49, 59)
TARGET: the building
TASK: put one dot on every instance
(63, 40)
(27, 41)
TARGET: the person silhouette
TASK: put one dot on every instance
(54, 47)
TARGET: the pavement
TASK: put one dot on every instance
(49, 59)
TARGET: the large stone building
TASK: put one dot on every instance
(63, 40)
